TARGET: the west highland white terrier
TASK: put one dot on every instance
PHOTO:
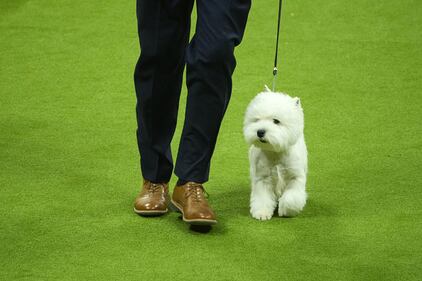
(273, 127)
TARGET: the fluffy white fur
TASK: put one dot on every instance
(273, 127)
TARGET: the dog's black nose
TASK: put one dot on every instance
(260, 133)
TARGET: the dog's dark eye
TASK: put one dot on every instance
(276, 121)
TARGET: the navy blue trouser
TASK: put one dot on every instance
(164, 27)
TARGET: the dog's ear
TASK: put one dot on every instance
(266, 88)
(297, 101)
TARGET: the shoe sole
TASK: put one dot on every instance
(179, 209)
(150, 213)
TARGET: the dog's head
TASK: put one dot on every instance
(273, 121)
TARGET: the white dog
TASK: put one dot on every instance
(273, 127)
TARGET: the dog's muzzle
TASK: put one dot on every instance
(260, 133)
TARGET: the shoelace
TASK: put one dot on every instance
(153, 187)
(197, 192)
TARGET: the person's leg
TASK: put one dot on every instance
(210, 65)
(163, 27)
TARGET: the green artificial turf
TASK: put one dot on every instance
(69, 165)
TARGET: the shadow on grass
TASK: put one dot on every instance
(312, 209)
(10, 6)
(216, 229)
(233, 205)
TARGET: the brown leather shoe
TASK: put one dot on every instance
(153, 199)
(190, 200)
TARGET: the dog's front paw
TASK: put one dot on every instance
(284, 211)
(291, 203)
(262, 214)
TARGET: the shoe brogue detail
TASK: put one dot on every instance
(191, 200)
(153, 199)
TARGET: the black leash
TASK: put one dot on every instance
(275, 70)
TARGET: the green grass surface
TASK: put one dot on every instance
(69, 167)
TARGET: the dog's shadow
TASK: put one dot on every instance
(236, 203)
(233, 202)
(313, 209)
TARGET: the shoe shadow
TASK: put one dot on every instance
(216, 229)
(200, 229)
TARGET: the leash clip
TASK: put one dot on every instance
(275, 70)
